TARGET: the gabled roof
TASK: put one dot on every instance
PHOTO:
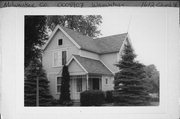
(99, 45)
(92, 66)
(110, 44)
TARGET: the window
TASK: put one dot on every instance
(59, 84)
(79, 84)
(56, 58)
(60, 42)
(63, 57)
(106, 81)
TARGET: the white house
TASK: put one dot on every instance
(90, 61)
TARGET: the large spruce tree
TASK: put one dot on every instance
(33, 73)
(131, 87)
(65, 87)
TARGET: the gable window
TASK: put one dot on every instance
(59, 79)
(60, 41)
(64, 57)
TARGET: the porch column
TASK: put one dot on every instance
(87, 82)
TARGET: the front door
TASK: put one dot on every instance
(76, 88)
(95, 83)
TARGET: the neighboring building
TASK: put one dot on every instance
(91, 62)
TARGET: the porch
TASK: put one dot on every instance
(86, 74)
(80, 83)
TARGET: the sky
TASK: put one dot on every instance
(146, 28)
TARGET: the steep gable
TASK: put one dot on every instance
(59, 33)
(110, 44)
(99, 45)
(90, 66)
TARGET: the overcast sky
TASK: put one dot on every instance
(146, 28)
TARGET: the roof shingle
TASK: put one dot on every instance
(93, 66)
(102, 45)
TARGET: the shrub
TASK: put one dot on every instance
(109, 96)
(92, 98)
(67, 103)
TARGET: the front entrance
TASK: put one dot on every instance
(80, 83)
(95, 84)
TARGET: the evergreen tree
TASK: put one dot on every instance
(131, 87)
(32, 72)
(65, 91)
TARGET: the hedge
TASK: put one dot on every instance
(109, 96)
(92, 98)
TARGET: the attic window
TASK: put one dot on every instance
(60, 42)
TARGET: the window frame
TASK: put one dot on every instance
(62, 63)
(61, 42)
(106, 80)
(58, 84)
(59, 57)
(79, 85)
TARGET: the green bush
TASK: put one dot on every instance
(109, 96)
(55, 102)
(92, 98)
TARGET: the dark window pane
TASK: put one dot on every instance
(106, 81)
(59, 88)
(63, 57)
(60, 42)
(79, 84)
(59, 80)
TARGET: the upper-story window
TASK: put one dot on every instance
(59, 58)
(56, 58)
(60, 41)
(64, 57)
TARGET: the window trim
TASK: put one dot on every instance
(53, 63)
(57, 50)
(62, 57)
(106, 80)
(56, 89)
(81, 80)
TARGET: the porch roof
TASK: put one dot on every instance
(92, 66)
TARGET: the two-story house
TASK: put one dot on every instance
(91, 62)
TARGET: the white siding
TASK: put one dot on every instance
(109, 85)
(75, 69)
(110, 60)
(47, 60)
(53, 46)
(53, 85)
